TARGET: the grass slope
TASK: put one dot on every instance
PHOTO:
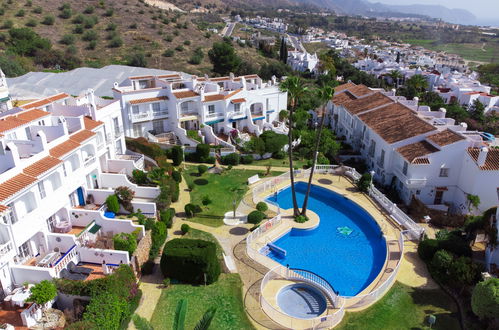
(225, 294)
(404, 307)
(219, 188)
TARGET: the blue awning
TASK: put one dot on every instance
(5, 99)
(214, 122)
(236, 119)
(269, 111)
(258, 118)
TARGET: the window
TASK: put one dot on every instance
(156, 108)
(119, 150)
(157, 126)
(404, 169)
(372, 148)
(237, 107)
(135, 109)
(211, 109)
(137, 130)
(41, 189)
(116, 124)
(497, 193)
(382, 158)
(444, 172)
(184, 107)
(144, 84)
(12, 136)
(64, 169)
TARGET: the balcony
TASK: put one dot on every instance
(118, 131)
(6, 248)
(149, 115)
(214, 115)
(138, 160)
(410, 182)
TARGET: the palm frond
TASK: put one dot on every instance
(205, 321)
(179, 319)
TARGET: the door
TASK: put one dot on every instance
(234, 124)
(81, 198)
(438, 197)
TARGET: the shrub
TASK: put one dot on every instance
(262, 206)
(279, 154)
(202, 169)
(364, 182)
(166, 282)
(125, 196)
(92, 44)
(43, 292)
(206, 200)
(168, 53)
(231, 159)
(166, 216)
(185, 228)
(89, 35)
(20, 13)
(66, 13)
(106, 311)
(115, 42)
(78, 19)
(195, 59)
(111, 27)
(158, 236)
(187, 42)
(145, 147)
(485, 299)
(31, 23)
(78, 29)
(109, 12)
(48, 20)
(190, 261)
(177, 155)
(38, 10)
(133, 26)
(255, 217)
(112, 203)
(139, 177)
(89, 10)
(177, 176)
(191, 210)
(125, 242)
(179, 48)
(246, 159)
(427, 249)
(169, 38)
(301, 219)
(440, 264)
(456, 245)
(68, 39)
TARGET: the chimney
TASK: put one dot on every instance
(482, 156)
(231, 76)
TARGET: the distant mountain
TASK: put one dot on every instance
(363, 7)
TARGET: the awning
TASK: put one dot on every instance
(214, 122)
(236, 119)
(241, 100)
(270, 111)
(259, 118)
(95, 228)
(5, 99)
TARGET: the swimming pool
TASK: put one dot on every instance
(347, 248)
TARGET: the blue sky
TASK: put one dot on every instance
(482, 9)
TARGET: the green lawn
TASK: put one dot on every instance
(284, 163)
(404, 307)
(219, 188)
(471, 51)
(225, 294)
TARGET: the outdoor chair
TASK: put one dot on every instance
(78, 269)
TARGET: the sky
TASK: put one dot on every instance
(484, 10)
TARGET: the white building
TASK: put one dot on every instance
(419, 152)
(60, 157)
(5, 101)
(303, 61)
(213, 108)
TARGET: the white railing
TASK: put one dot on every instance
(373, 296)
(331, 319)
(65, 259)
(310, 277)
(260, 231)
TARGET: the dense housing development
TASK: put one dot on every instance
(60, 157)
(419, 152)
(212, 108)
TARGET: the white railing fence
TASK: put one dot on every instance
(260, 231)
(326, 321)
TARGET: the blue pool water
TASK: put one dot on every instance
(301, 300)
(347, 248)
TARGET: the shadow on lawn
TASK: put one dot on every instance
(201, 182)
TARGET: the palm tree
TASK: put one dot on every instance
(324, 94)
(294, 87)
(203, 323)
(396, 76)
(418, 82)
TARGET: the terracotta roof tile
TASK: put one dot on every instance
(45, 101)
(82, 136)
(183, 95)
(91, 124)
(241, 100)
(140, 77)
(42, 166)
(3, 208)
(219, 97)
(21, 118)
(342, 87)
(421, 161)
(11, 122)
(360, 90)
(219, 79)
(492, 160)
(446, 137)
(148, 100)
(395, 122)
(413, 151)
(64, 148)
(176, 75)
(342, 98)
(14, 185)
(31, 115)
(367, 103)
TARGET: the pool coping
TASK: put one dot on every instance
(382, 219)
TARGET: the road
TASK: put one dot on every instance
(295, 43)
(228, 29)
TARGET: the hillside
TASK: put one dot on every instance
(99, 33)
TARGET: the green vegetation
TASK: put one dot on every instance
(364, 182)
(404, 307)
(255, 217)
(112, 203)
(125, 242)
(219, 185)
(225, 294)
(485, 299)
(43, 292)
(190, 260)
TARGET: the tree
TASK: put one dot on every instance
(473, 201)
(43, 292)
(257, 145)
(25, 42)
(477, 111)
(295, 88)
(137, 59)
(325, 94)
(224, 58)
(398, 57)
(364, 182)
(177, 155)
(112, 203)
(485, 299)
(418, 82)
(326, 64)
(205, 321)
(125, 196)
(283, 51)
(396, 77)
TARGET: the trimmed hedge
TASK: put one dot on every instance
(177, 155)
(262, 206)
(188, 260)
(256, 217)
(185, 228)
(191, 209)
(246, 159)
(177, 176)
(231, 159)
(166, 216)
(158, 237)
(453, 243)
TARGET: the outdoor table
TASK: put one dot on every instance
(48, 259)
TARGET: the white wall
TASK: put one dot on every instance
(97, 256)
(111, 180)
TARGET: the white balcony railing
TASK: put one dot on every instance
(6, 248)
(89, 160)
(410, 182)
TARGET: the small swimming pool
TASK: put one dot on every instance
(347, 248)
(301, 300)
